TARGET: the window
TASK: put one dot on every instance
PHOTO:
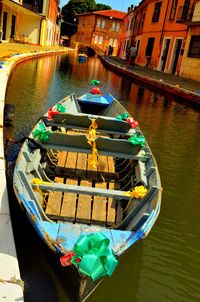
(194, 48)
(142, 21)
(118, 26)
(138, 45)
(113, 42)
(100, 23)
(156, 13)
(115, 26)
(173, 10)
(98, 39)
(149, 48)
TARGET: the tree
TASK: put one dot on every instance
(100, 6)
(74, 7)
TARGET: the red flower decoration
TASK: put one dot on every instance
(66, 259)
(95, 90)
(132, 122)
(51, 113)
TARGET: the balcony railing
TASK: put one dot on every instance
(33, 8)
(185, 13)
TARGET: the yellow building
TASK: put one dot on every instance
(18, 23)
(190, 67)
(21, 21)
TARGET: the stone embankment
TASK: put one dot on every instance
(185, 89)
(11, 285)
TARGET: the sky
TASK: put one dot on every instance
(115, 4)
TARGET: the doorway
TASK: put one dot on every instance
(5, 18)
(176, 53)
(164, 54)
(13, 23)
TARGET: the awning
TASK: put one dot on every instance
(20, 8)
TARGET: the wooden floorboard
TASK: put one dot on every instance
(111, 213)
(84, 205)
(71, 161)
(81, 165)
(62, 156)
(99, 206)
(91, 170)
(68, 210)
(54, 202)
(102, 166)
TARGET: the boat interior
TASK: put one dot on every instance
(75, 189)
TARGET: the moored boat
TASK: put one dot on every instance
(89, 185)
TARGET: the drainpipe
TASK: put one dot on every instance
(1, 31)
(163, 26)
(133, 37)
(39, 39)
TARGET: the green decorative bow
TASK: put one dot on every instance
(95, 82)
(41, 133)
(60, 108)
(137, 140)
(96, 258)
(123, 117)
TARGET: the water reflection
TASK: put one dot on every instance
(164, 267)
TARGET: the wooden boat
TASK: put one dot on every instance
(82, 57)
(89, 185)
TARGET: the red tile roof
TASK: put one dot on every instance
(111, 13)
(107, 13)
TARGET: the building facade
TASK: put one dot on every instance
(159, 36)
(190, 67)
(27, 22)
(18, 23)
(50, 23)
(125, 39)
(99, 30)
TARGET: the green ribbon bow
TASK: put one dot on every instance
(60, 108)
(137, 140)
(95, 82)
(97, 259)
(41, 133)
(123, 117)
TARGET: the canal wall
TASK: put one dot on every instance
(11, 285)
(181, 88)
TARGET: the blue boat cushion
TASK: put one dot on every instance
(95, 99)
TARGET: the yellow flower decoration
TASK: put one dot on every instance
(138, 192)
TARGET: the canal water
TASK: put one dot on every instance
(166, 265)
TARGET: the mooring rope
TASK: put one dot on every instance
(13, 280)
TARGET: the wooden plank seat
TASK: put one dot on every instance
(105, 146)
(59, 187)
(83, 121)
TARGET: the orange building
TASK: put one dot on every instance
(126, 34)
(191, 57)
(99, 29)
(159, 36)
